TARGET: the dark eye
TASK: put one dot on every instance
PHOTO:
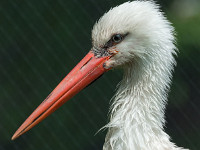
(117, 38)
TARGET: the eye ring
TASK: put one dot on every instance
(117, 38)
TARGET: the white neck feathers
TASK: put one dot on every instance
(137, 112)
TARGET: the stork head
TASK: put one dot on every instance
(131, 31)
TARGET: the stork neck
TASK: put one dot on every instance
(137, 112)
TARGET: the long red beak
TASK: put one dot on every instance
(87, 70)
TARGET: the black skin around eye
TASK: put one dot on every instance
(115, 39)
(103, 50)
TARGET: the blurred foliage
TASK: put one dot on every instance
(41, 41)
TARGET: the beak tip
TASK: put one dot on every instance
(13, 137)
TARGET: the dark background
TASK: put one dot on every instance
(41, 41)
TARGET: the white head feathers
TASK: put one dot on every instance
(142, 21)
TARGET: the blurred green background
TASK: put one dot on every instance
(41, 41)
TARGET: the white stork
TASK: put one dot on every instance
(136, 37)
